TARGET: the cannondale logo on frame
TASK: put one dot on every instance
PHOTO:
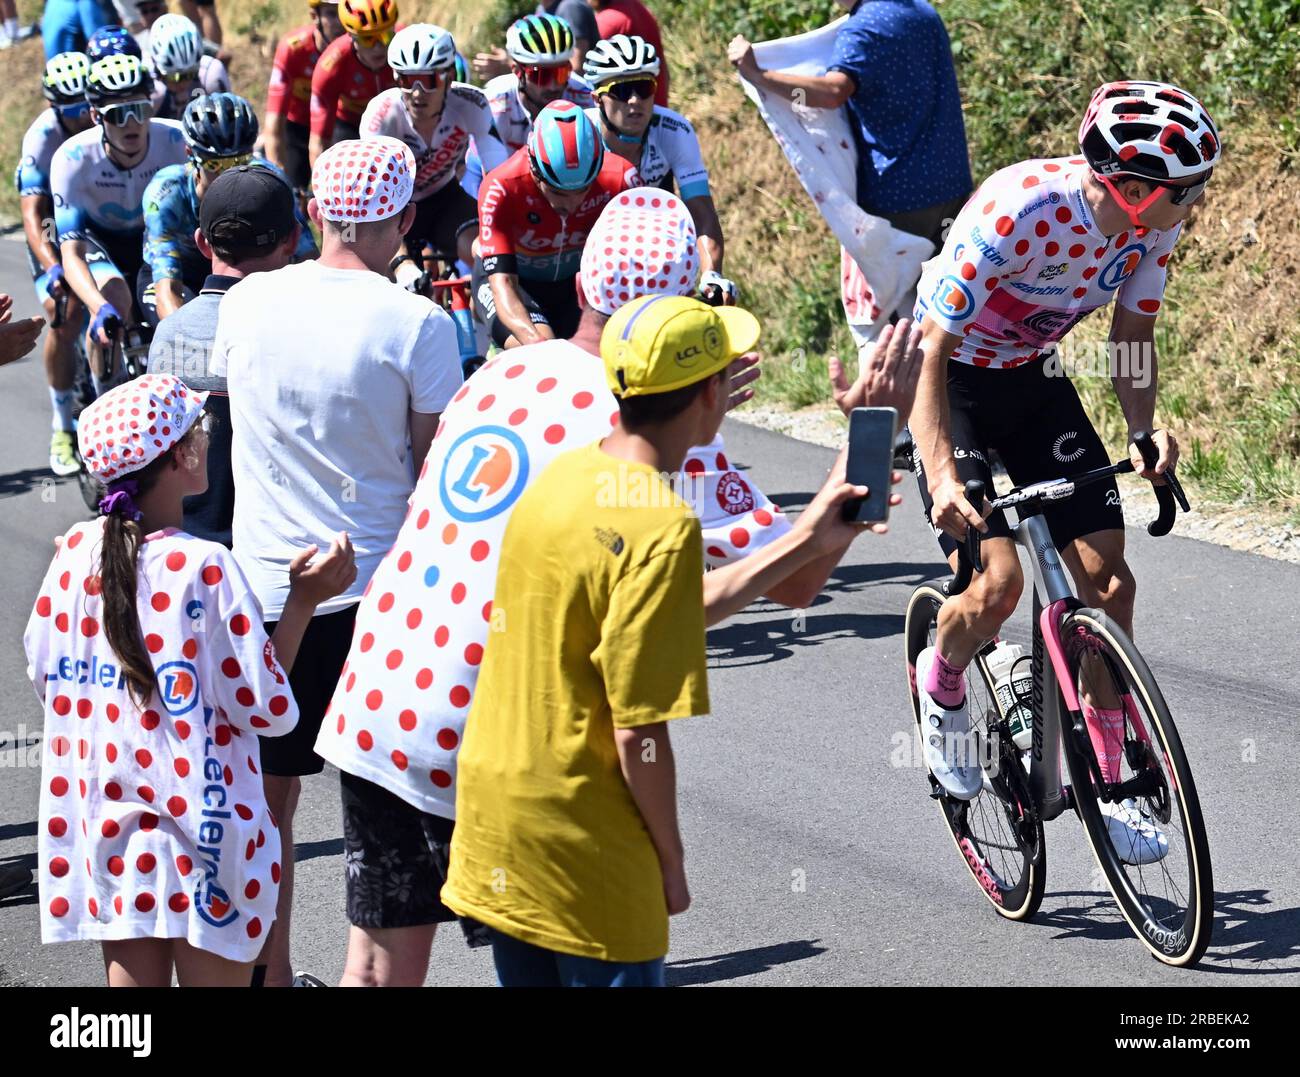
(1059, 449)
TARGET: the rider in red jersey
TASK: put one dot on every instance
(350, 72)
(286, 128)
(534, 215)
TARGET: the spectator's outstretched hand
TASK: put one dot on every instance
(742, 373)
(16, 338)
(890, 370)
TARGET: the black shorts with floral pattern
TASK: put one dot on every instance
(395, 860)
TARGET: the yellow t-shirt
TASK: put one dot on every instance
(597, 624)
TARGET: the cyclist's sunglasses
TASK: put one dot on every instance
(428, 81)
(370, 41)
(625, 91)
(73, 112)
(121, 115)
(1185, 195)
(177, 77)
(548, 78)
(217, 165)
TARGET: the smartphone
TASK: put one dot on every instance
(871, 462)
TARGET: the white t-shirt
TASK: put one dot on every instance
(153, 820)
(323, 367)
(398, 713)
(465, 116)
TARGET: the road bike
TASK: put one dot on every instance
(1080, 657)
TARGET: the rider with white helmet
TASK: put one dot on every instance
(182, 70)
(437, 118)
(624, 73)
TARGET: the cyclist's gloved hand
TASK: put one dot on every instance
(717, 290)
(54, 278)
(106, 322)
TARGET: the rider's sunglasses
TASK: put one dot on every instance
(548, 78)
(177, 77)
(625, 91)
(370, 41)
(1180, 196)
(217, 165)
(73, 112)
(121, 115)
(428, 81)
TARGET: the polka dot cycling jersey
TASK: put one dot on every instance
(508, 111)
(399, 711)
(152, 821)
(465, 117)
(671, 152)
(1024, 263)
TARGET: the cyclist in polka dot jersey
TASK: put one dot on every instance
(155, 837)
(1040, 246)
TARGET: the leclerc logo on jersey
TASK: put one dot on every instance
(483, 473)
(953, 299)
(1121, 267)
(178, 687)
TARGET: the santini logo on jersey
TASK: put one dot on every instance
(985, 247)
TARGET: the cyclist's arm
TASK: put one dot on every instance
(77, 273)
(38, 218)
(168, 296)
(324, 104)
(930, 422)
(273, 128)
(708, 229)
(511, 310)
(1135, 377)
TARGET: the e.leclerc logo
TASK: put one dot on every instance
(953, 299)
(178, 687)
(1121, 267)
(483, 473)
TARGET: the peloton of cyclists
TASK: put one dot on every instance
(64, 87)
(624, 74)
(436, 117)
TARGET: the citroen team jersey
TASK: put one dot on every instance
(1025, 262)
(512, 119)
(671, 151)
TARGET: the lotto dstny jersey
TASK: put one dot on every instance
(171, 214)
(520, 233)
(1025, 262)
(213, 78)
(512, 119)
(671, 150)
(92, 193)
(398, 713)
(43, 137)
(465, 116)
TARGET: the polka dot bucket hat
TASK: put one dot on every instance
(365, 179)
(643, 244)
(134, 424)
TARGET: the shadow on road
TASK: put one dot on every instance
(708, 970)
(1091, 915)
(20, 482)
(28, 894)
(17, 830)
(310, 850)
(796, 500)
(846, 579)
(1251, 939)
(756, 643)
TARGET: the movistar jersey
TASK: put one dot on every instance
(44, 136)
(1025, 262)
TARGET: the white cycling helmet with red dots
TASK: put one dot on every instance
(1152, 130)
(363, 179)
(643, 244)
(132, 425)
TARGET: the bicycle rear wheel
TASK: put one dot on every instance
(999, 834)
(1169, 903)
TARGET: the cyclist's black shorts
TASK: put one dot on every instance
(439, 220)
(1032, 418)
(297, 161)
(553, 303)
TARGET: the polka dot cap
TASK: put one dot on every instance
(643, 244)
(134, 424)
(367, 179)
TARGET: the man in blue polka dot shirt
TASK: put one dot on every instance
(892, 66)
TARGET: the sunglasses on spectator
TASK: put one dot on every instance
(625, 91)
(428, 81)
(217, 165)
(548, 77)
(370, 41)
(177, 77)
(1180, 196)
(121, 115)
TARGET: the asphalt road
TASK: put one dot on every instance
(814, 854)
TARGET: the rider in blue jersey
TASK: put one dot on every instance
(219, 130)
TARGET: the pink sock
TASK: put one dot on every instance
(945, 683)
(1106, 731)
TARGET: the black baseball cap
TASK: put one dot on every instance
(248, 208)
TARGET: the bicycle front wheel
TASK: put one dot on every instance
(1168, 902)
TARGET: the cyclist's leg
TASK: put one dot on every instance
(456, 226)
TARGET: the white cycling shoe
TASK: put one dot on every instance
(949, 747)
(1135, 836)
